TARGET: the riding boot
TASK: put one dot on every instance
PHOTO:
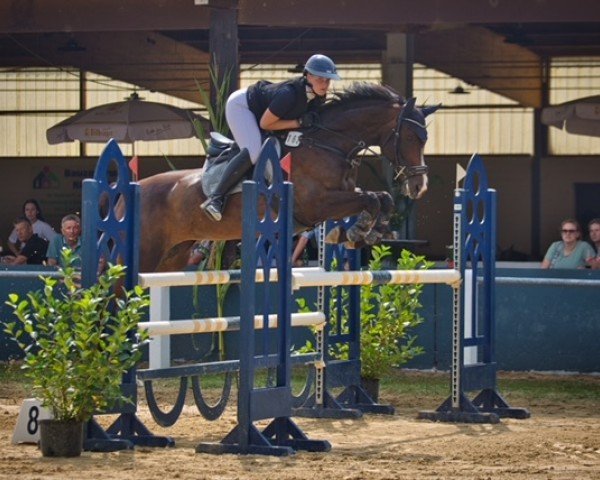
(235, 171)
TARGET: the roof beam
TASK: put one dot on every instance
(18, 16)
(146, 59)
(481, 57)
(395, 13)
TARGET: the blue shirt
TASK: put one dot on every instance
(55, 251)
(576, 259)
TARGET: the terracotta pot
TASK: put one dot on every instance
(61, 438)
(371, 386)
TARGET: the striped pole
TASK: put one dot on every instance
(304, 277)
(226, 324)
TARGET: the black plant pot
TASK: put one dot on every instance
(371, 386)
(61, 438)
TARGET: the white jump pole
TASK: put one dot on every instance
(308, 277)
(223, 324)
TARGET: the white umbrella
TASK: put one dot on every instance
(581, 117)
(128, 121)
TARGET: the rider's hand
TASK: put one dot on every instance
(308, 119)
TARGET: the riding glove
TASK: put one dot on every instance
(308, 119)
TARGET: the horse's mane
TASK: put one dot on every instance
(364, 91)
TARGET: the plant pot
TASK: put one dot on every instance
(61, 438)
(371, 386)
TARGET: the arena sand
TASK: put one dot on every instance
(560, 441)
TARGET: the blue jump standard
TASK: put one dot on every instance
(474, 245)
(264, 243)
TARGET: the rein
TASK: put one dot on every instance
(349, 157)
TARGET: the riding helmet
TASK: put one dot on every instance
(321, 66)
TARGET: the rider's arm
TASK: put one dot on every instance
(269, 121)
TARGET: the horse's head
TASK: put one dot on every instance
(404, 148)
(366, 114)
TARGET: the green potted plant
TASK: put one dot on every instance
(387, 314)
(77, 344)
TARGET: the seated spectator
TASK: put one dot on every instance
(571, 252)
(594, 230)
(70, 227)
(32, 211)
(33, 250)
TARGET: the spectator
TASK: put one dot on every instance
(571, 252)
(594, 229)
(32, 211)
(33, 249)
(299, 256)
(70, 227)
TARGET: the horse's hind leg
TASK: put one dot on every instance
(176, 258)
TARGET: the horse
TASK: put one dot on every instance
(324, 171)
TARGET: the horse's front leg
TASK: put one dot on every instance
(381, 229)
(340, 204)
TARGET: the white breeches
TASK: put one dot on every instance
(243, 124)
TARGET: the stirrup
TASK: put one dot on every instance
(211, 208)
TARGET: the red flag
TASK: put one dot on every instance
(133, 166)
(286, 165)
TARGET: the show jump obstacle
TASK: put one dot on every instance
(473, 319)
(116, 240)
(266, 247)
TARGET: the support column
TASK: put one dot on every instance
(540, 150)
(223, 45)
(397, 72)
(397, 62)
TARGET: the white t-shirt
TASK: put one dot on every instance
(40, 228)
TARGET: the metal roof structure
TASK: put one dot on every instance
(500, 45)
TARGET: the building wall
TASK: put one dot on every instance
(511, 178)
(559, 176)
(56, 184)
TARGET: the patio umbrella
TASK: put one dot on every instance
(128, 121)
(581, 117)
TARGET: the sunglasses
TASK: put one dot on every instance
(564, 230)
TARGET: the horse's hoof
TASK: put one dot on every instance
(388, 235)
(373, 237)
(355, 234)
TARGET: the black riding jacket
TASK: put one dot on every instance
(287, 100)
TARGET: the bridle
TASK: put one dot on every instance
(402, 172)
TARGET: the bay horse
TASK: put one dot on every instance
(324, 171)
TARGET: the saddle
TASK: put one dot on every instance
(219, 152)
(220, 144)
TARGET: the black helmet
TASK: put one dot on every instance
(321, 66)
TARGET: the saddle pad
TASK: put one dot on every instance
(213, 171)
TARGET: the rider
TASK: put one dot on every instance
(267, 106)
